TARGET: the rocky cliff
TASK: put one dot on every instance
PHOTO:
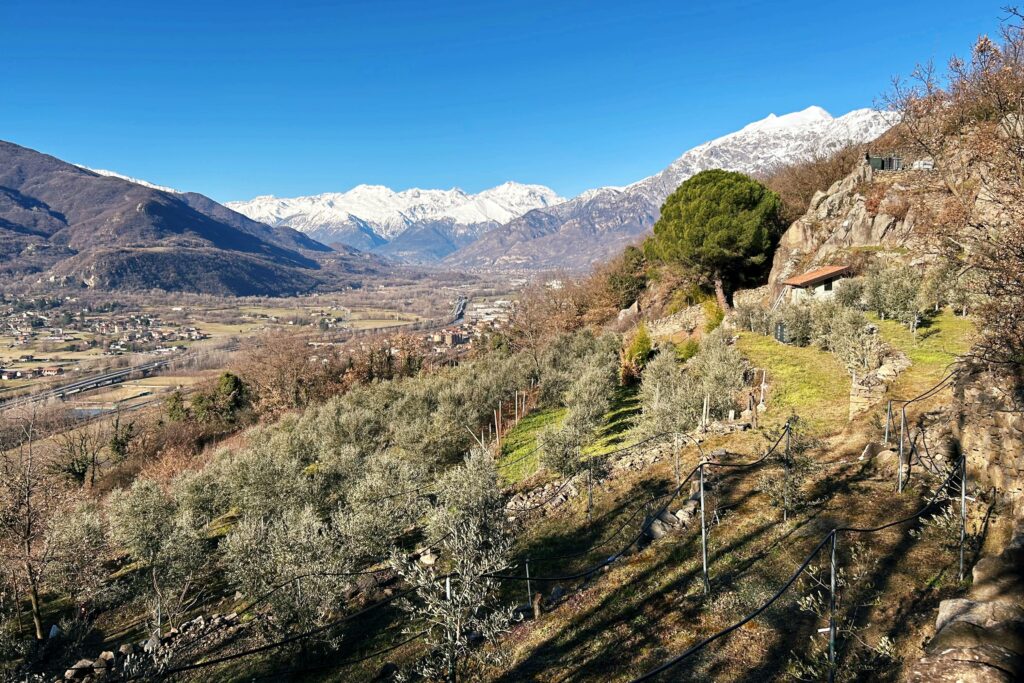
(865, 211)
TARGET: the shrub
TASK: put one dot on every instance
(713, 315)
(786, 491)
(897, 207)
(797, 318)
(849, 293)
(892, 292)
(635, 354)
(687, 350)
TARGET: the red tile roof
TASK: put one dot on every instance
(813, 277)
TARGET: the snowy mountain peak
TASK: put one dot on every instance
(564, 237)
(798, 119)
(370, 216)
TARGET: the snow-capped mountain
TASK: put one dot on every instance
(600, 222)
(114, 174)
(415, 224)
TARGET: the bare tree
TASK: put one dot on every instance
(80, 452)
(29, 499)
(971, 123)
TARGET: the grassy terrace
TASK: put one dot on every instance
(939, 340)
(650, 605)
(803, 380)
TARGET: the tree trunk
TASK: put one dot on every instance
(33, 599)
(720, 294)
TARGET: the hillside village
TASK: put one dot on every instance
(780, 437)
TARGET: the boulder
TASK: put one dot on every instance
(965, 635)
(667, 517)
(127, 649)
(79, 670)
(557, 593)
(655, 529)
(152, 645)
(988, 664)
(996, 578)
(984, 614)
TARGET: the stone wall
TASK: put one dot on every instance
(686, 320)
(990, 403)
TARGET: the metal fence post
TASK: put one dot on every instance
(529, 593)
(963, 510)
(899, 465)
(676, 465)
(888, 422)
(785, 474)
(703, 534)
(832, 611)
(590, 492)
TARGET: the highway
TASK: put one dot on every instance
(93, 382)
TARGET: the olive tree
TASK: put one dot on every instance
(166, 541)
(455, 600)
(293, 560)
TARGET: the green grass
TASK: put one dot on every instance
(522, 439)
(939, 341)
(803, 380)
(618, 422)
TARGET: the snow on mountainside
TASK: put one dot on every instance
(600, 222)
(114, 174)
(414, 224)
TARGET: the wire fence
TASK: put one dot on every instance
(830, 539)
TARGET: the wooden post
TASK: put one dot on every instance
(517, 407)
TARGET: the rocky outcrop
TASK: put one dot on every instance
(686, 320)
(980, 638)
(865, 209)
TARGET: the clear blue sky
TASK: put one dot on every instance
(236, 99)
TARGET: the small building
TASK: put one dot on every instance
(816, 283)
(53, 371)
(891, 162)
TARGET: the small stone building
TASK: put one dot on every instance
(817, 283)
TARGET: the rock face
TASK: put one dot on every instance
(991, 428)
(851, 214)
(980, 638)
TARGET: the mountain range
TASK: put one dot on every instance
(66, 226)
(70, 226)
(516, 226)
(414, 225)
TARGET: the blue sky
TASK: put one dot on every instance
(236, 99)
